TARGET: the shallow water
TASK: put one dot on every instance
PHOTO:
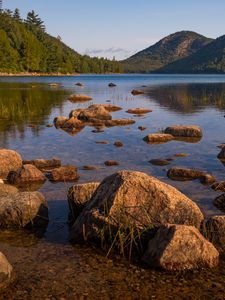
(47, 265)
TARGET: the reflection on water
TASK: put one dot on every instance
(190, 98)
(27, 107)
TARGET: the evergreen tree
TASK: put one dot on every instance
(16, 15)
(34, 22)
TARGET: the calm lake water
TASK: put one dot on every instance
(47, 265)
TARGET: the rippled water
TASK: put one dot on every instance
(27, 105)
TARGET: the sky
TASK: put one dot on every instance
(120, 28)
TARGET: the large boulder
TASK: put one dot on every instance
(23, 209)
(184, 131)
(79, 195)
(180, 247)
(219, 186)
(28, 173)
(216, 231)
(129, 198)
(6, 272)
(6, 190)
(158, 138)
(9, 161)
(94, 112)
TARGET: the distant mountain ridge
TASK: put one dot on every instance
(168, 50)
(209, 59)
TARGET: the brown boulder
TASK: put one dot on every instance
(94, 112)
(219, 202)
(216, 232)
(6, 190)
(9, 161)
(59, 121)
(73, 124)
(23, 209)
(66, 173)
(138, 111)
(129, 198)
(79, 195)
(43, 164)
(183, 174)
(6, 273)
(28, 173)
(158, 138)
(180, 247)
(219, 186)
(184, 131)
(109, 107)
(79, 98)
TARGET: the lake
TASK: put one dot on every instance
(46, 262)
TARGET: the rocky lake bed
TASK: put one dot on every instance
(112, 187)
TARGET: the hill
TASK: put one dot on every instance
(171, 48)
(209, 59)
(26, 47)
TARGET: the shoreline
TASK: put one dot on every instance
(34, 74)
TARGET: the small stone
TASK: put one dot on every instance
(102, 142)
(118, 144)
(111, 84)
(79, 84)
(137, 92)
(110, 163)
(138, 111)
(158, 138)
(159, 162)
(141, 128)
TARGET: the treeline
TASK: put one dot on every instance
(25, 46)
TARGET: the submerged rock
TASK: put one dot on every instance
(184, 174)
(159, 162)
(180, 247)
(109, 107)
(219, 186)
(43, 164)
(78, 196)
(184, 131)
(221, 155)
(158, 138)
(118, 144)
(129, 198)
(142, 128)
(137, 92)
(6, 190)
(89, 168)
(110, 163)
(219, 202)
(66, 173)
(111, 84)
(6, 272)
(79, 84)
(28, 173)
(23, 209)
(138, 111)
(119, 122)
(9, 161)
(79, 98)
(216, 231)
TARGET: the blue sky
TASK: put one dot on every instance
(122, 27)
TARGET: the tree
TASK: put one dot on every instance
(34, 22)
(0, 5)
(16, 15)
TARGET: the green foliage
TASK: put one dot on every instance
(26, 47)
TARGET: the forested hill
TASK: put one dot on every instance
(169, 49)
(209, 59)
(26, 47)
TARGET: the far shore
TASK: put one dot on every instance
(33, 74)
